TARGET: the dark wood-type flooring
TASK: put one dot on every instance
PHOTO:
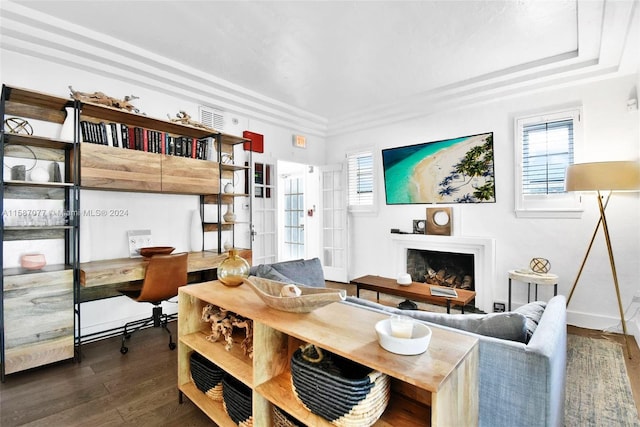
(138, 389)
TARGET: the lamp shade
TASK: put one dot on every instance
(606, 176)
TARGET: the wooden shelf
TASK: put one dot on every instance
(35, 105)
(37, 141)
(39, 184)
(443, 391)
(212, 408)
(401, 411)
(233, 360)
(110, 114)
(234, 168)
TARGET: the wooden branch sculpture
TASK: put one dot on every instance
(183, 118)
(102, 99)
(222, 324)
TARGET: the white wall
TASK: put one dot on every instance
(167, 216)
(611, 133)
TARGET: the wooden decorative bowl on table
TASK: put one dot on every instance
(309, 299)
(150, 251)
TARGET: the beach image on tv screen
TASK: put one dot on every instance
(458, 170)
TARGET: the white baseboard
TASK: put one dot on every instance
(603, 323)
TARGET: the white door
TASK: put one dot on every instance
(264, 227)
(334, 223)
(294, 218)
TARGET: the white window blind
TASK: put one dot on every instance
(547, 150)
(545, 146)
(360, 179)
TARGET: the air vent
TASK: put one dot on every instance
(212, 117)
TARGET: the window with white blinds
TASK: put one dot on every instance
(547, 150)
(360, 180)
(544, 148)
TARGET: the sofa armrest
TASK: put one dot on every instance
(524, 385)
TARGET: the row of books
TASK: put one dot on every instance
(137, 138)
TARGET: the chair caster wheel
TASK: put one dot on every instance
(124, 350)
(172, 346)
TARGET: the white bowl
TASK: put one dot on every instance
(417, 344)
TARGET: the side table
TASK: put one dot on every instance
(535, 278)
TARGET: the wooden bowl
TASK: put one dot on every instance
(309, 300)
(150, 251)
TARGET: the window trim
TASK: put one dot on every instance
(559, 205)
(369, 208)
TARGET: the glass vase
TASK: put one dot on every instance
(233, 269)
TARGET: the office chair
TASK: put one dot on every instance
(163, 276)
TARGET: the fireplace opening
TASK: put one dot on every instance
(454, 270)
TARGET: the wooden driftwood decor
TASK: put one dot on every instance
(223, 323)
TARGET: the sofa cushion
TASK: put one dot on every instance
(267, 272)
(508, 326)
(306, 272)
(532, 312)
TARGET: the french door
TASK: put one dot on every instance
(294, 218)
(264, 227)
(334, 223)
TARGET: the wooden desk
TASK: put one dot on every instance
(120, 270)
(415, 291)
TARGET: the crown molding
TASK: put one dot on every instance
(604, 32)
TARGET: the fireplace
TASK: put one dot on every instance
(481, 249)
(450, 269)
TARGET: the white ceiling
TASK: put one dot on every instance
(337, 60)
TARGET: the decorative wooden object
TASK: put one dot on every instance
(443, 391)
(102, 99)
(270, 291)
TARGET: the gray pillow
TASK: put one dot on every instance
(507, 326)
(306, 272)
(265, 271)
(532, 312)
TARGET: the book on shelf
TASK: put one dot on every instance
(120, 135)
(441, 291)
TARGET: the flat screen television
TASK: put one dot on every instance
(458, 170)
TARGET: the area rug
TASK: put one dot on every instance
(598, 392)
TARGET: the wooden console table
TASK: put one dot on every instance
(415, 291)
(120, 270)
(436, 388)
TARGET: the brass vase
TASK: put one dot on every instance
(233, 269)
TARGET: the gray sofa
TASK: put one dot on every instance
(522, 353)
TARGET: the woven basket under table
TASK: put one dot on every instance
(237, 401)
(206, 376)
(344, 392)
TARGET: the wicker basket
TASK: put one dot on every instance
(206, 376)
(344, 392)
(282, 419)
(237, 401)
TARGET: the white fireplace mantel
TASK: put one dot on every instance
(482, 248)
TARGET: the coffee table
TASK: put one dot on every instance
(415, 291)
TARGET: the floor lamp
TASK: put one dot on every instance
(604, 177)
